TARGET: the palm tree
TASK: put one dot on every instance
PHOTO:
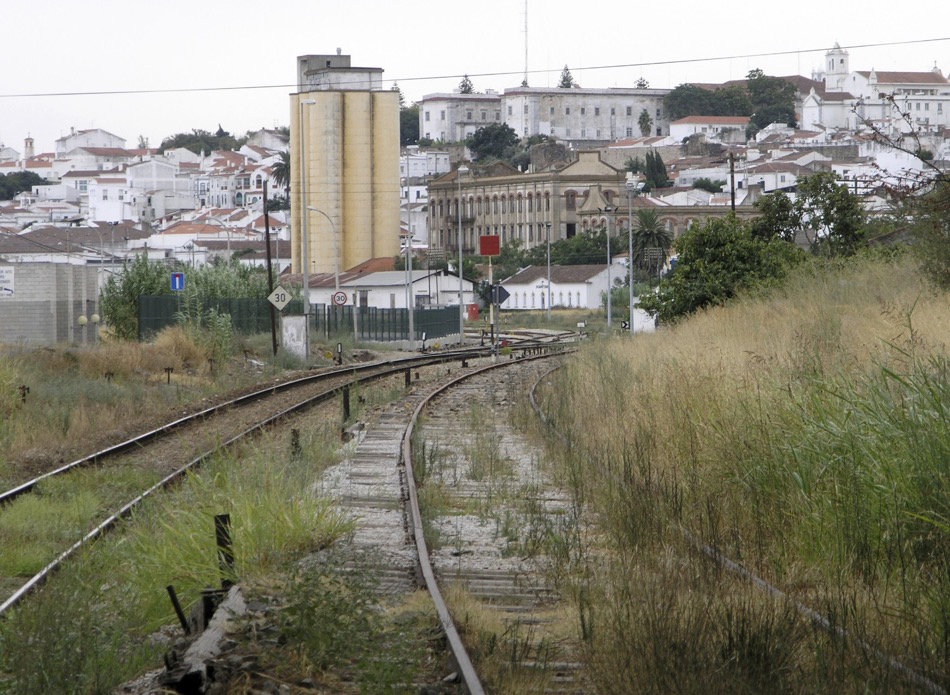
(280, 171)
(650, 234)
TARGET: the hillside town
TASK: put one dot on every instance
(103, 203)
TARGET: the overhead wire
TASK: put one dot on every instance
(508, 73)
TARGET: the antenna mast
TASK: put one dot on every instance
(524, 82)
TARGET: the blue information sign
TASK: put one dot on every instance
(178, 282)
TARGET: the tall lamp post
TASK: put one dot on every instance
(609, 310)
(631, 187)
(461, 170)
(548, 225)
(410, 305)
(304, 236)
(336, 249)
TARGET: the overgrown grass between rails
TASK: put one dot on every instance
(804, 434)
(91, 627)
(37, 527)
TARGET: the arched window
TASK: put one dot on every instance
(578, 298)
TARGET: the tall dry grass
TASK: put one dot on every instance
(80, 398)
(803, 434)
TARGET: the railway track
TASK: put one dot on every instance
(164, 454)
(374, 492)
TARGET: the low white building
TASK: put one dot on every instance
(572, 286)
(721, 128)
(387, 289)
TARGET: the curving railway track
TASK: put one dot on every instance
(375, 484)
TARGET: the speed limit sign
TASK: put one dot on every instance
(339, 298)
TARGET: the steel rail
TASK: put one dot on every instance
(467, 672)
(40, 578)
(144, 438)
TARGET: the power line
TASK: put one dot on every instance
(510, 73)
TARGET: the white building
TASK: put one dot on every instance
(853, 97)
(577, 115)
(721, 128)
(572, 286)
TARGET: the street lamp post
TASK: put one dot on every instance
(304, 236)
(410, 305)
(631, 186)
(548, 225)
(609, 309)
(461, 170)
(336, 250)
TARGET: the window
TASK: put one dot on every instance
(939, 107)
(583, 132)
(468, 115)
(659, 113)
(567, 132)
(629, 132)
(105, 195)
(552, 110)
(927, 106)
(497, 115)
(629, 110)
(509, 110)
(596, 110)
(598, 134)
(427, 116)
(442, 114)
(567, 111)
(484, 115)
(583, 110)
(525, 108)
(613, 111)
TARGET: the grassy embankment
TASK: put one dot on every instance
(805, 435)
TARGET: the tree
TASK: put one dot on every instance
(402, 99)
(689, 100)
(716, 260)
(921, 197)
(645, 123)
(641, 83)
(778, 219)
(143, 142)
(706, 184)
(466, 86)
(17, 182)
(772, 99)
(633, 164)
(409, 125)
(830, 215)
(280, 171)
(199, 141)
(567, 80)
(655, 170)
(649, 233)
(119, 298)
(494, 141)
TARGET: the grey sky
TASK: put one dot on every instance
(59, 46)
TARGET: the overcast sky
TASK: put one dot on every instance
(246, 50)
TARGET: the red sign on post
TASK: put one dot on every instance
(489, 245)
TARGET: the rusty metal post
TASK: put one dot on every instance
(168, 373)
(178, 611)
(408, 378)
(346, 403)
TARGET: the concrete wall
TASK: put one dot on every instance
(48, 300)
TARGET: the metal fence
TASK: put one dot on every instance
(253, 316)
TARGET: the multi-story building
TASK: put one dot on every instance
(584, 117)
(345, 163)
(502, 201)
